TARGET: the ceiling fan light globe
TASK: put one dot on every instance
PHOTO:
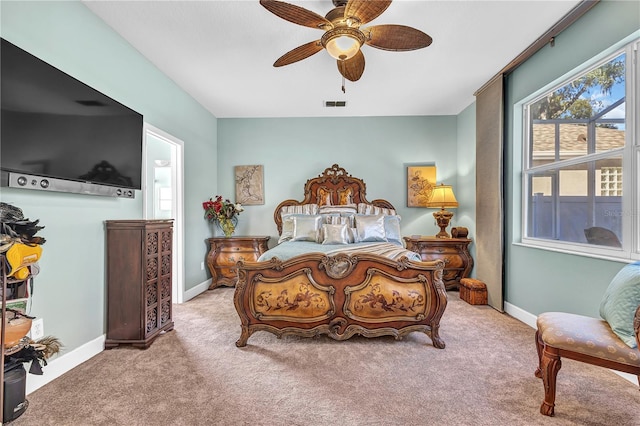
(343, 47)
(343, 43)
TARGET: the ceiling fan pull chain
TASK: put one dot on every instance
(343, 83)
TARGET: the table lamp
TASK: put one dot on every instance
(442, 197)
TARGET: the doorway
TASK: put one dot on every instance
(163, 194)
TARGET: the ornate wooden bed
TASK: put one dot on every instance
(339, 295)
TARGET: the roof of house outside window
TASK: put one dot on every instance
(573, 139)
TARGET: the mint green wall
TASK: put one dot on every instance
(375, 149)
(70, 290)
(539, 280)
(71, 287)
(465, 190)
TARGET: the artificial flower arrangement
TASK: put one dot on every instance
(223, 212)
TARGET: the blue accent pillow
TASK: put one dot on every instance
(370, 228)
(392, 229)
(620, 301)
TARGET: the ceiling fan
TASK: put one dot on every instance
(344, 35)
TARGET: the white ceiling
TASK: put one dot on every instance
(222, 53)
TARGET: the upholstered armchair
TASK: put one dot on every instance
(612, 342)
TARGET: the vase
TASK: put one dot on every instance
(228, 226)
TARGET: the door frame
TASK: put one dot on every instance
(177, 187)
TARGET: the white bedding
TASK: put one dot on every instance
(289, 249)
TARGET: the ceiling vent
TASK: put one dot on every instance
(330, 104)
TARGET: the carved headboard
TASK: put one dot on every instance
(335, 187)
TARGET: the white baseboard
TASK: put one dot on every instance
(630, 377)
(521, 314)
(196, 290)
(530, 320)
(60, 365)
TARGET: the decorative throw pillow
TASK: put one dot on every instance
(620, 301)
(287, 226)
(353, 234)
(343, 210)
(364, 208)
(299, 209)
(306, 228)
(392, 229)
(348, 211)
(370, 228)
(287, 213)
(335, 234)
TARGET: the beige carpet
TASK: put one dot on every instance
(195, 375)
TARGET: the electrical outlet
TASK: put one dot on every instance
(202, 266)
(37, 329)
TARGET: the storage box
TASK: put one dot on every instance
(473, 291)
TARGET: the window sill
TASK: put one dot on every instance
(614, 255)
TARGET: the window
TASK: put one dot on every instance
(581, 161)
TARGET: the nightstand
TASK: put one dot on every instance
(224, 252)
(454, 251)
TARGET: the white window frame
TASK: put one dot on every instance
(631, 158)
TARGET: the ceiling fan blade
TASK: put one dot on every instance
(296, 14)
(365, 10)
(299, 53)
(352, 68)
(396, 37)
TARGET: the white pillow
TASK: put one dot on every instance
(370, 228)
(330, 218)
(287, 227)
(352, 232)
(343, 210)
(335, 234)
(346, 211)
(306, 228)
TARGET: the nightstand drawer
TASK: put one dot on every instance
(424, 249)
(451, 260)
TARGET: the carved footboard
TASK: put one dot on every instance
(340, 296)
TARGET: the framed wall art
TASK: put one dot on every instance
(249, 185)
(421, 179)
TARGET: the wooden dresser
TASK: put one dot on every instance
(139, 268)
(454, 251)
(224, 252)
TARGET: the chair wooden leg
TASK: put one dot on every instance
(550, 364)
(539, 348)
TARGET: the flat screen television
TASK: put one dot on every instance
(59, 134)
